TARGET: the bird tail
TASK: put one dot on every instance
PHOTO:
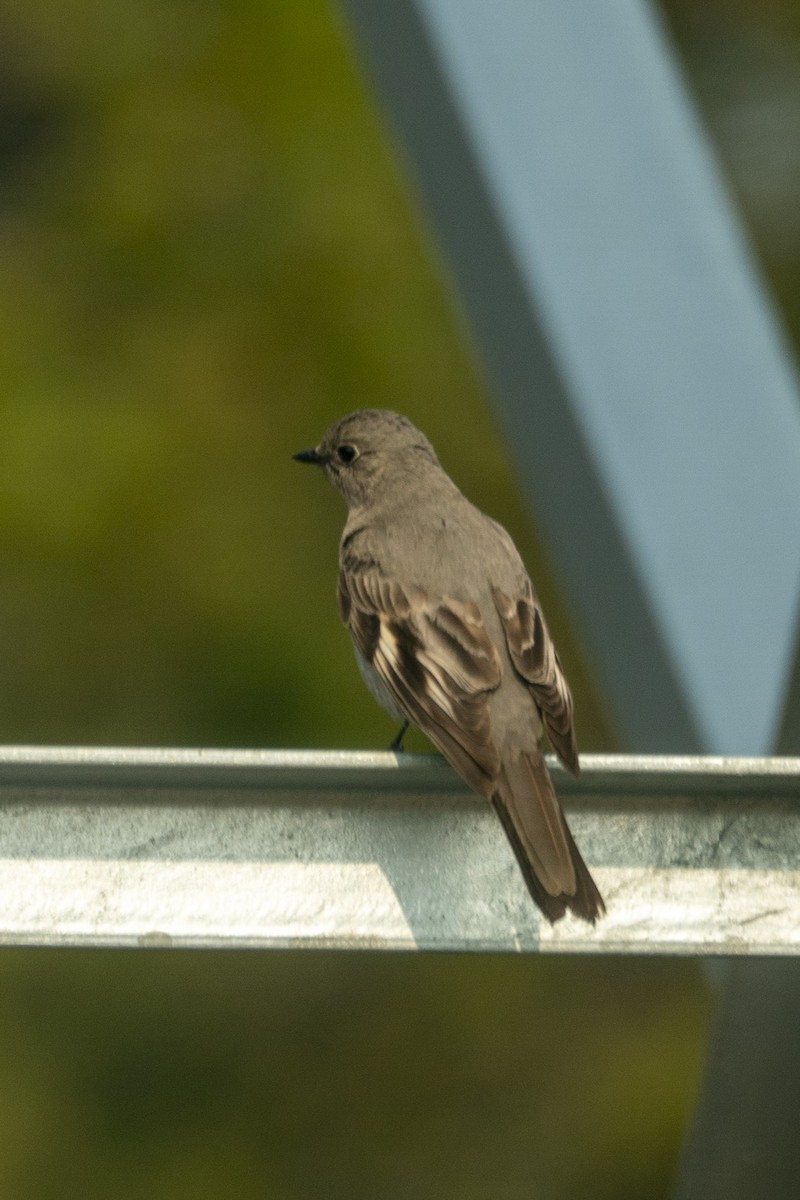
(554, 871)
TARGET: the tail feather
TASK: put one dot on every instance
(551, 864)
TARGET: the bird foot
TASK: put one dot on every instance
(397, 743)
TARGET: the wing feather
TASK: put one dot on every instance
(435, 657)
(439, 666)
(535, 659)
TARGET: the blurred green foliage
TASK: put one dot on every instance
(164, 1076)
(209, 253)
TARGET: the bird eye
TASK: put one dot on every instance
(346, 453)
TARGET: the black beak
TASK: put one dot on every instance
(309, 456)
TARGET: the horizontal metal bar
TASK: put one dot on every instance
(368, 849)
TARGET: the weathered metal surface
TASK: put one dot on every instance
(359, 849)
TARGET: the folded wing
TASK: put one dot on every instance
(536, 661)
(436, 659)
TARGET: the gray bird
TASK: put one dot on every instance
(449, 634)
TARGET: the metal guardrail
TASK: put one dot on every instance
(340, 849)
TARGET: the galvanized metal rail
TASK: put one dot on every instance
(284, 848)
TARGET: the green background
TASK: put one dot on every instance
(209, 252)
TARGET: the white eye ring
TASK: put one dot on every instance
(346, 453)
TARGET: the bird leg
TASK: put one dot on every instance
(397, 743)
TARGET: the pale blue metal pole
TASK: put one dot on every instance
(651, 405)
(636, 363)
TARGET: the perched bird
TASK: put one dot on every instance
(449, 634)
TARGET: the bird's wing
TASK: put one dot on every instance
(436, 659)
(440, 666)
(535, 659)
